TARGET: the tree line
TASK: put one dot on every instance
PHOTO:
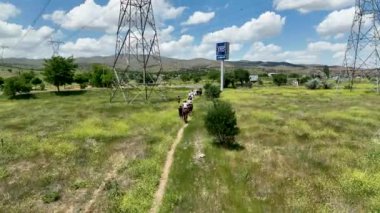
(58, 71)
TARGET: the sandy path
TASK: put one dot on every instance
(165, 173)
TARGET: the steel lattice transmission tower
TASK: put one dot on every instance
(137, 51)
(55, 45)
(3, 47)
(362, 56)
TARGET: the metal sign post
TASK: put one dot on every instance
(221, 75)
(222, 54)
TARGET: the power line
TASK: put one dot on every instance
(34, 22)
(59, 27)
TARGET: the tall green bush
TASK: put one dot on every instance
(213, 92)
(221, 122)
(314, 84)
(280, 79)
(15, 85)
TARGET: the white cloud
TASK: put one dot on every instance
(261, 52)
(267, 25)
(163, 10)
(91, 15)
(166, 33)
(337, 22)
(322, 46)
(311, 55)
(31, 46)
(8, 11)
(87, 47)
(199, 17)
(305, 6)
(9, 30)
(180, 48)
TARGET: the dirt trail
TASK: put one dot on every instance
(165, 173)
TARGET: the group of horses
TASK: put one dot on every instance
(186, 108)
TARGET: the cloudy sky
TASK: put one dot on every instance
(296, 31)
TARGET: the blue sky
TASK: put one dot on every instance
(297, 31)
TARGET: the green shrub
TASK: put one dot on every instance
(196, 78)
(79, 184)
(36, 81)
(220, 122)
(294, 75)
(213, 92)
(314, 84)
(206, 86)
(280, 79)
(304, 80)
(15, 85)
(83, 86)
(1, 82)
(81, 78)
(51, 196)
(327, 85)
(28, 76)
(229, 78)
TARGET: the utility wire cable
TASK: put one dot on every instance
(34, 22)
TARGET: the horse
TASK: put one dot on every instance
(185, 114)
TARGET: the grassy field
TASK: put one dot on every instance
(303, 151)
(58, 150)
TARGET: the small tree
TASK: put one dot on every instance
(221, 122)
(59, 71)
(102, 76)
(242, 76)
(212, 92)
(280, 79)
(206, 86)
(28, 76)
(36, 81)
(197, 78)
(326, 70)
(107, 79)
(1, 82)
(82, 79)
(229, 78)
(185, 77)
(214, 75)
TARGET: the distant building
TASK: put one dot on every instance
(272, 74)
(253, 78)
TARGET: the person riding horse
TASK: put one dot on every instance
(185, 111)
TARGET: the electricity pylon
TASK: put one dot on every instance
(55, 45)
(362, 56)
(137, 52)
(3, 48)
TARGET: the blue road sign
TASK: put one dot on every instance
(222, 51)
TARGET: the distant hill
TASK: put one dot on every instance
(171, 64)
